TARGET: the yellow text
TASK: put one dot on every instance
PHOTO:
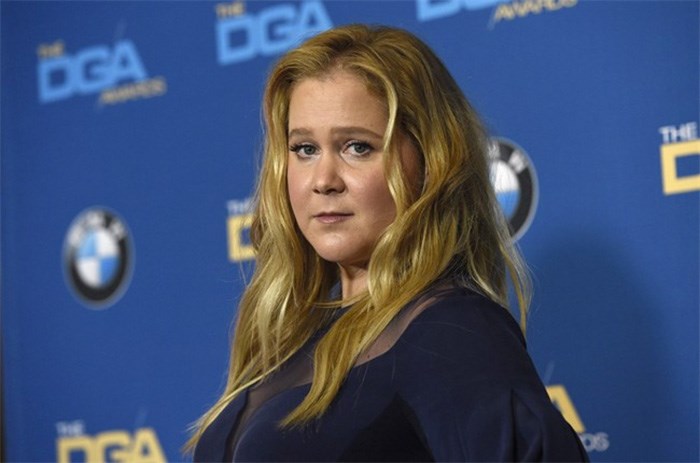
(117, 446)
(148, 88)
(670, 153)
(226, 10)
(560, 398)
(238, 250)
(50, 50)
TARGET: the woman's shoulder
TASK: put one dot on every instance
(463, 369)
(461, 333)
(464, 313)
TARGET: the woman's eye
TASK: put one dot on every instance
(359, 148)
(303, 150)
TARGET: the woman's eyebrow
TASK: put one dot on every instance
(355, 130)
(300, 132)
(350, 130)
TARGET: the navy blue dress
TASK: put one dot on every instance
(456, 385)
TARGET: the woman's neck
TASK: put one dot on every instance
(353, 280)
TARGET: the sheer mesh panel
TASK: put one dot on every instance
(298, 371)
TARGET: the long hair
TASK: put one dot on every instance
(451, 225)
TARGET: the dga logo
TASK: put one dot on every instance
(97, 257)
(592, 442)
(115, 72)
(428, 10)
(514, 179)
(116, 445)
(238, 226)
(522, 8)
(242, 36)
(680, 147)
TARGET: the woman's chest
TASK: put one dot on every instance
(368, 420)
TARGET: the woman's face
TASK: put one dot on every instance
(335, 174)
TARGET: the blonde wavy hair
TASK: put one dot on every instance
(451, 225)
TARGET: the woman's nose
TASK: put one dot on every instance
(327, 176)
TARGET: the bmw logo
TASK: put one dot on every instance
(97, 257)
(514, 179)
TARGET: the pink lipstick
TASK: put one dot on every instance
(332, 217)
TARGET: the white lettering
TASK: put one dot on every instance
(683, 132)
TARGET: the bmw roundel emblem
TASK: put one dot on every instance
(97, 257)
(515, 182)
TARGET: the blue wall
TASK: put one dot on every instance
(133, 129)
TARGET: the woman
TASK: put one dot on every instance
(374, 326)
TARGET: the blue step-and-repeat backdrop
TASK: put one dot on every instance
(131, 136)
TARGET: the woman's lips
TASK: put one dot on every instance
(332, 217)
